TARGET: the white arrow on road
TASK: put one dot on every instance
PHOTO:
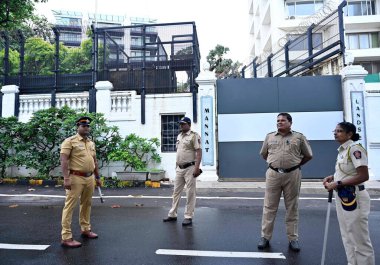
(224, 254)
(22, 246)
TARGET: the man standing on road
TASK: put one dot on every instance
(189, 156)
(79, 166)
(285, 152)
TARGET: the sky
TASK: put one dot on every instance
(218, 22)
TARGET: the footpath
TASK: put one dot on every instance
(203, 187)
(307, 187)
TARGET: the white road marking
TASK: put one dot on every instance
(22, 246)
(163, 197)
(224, 254)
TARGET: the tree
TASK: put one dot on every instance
(14, 12)
(77, 60)
(39, 56)
(136, 152)
(14, 62)
(223, 68)
(105, 137)
(38, 141)
(37, 26)
(7, 134)
(183, 54)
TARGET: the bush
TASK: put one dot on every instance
(136, 152)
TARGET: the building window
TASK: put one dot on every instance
(371, 67)
(360, 8)
(301, 44)
(169, 132)
(363, 40)
(70, 37)
(67, 21)
(303, 8)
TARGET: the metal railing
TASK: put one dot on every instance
(168, 52)
(303, 52)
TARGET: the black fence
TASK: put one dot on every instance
(303, 52)
(148, 58)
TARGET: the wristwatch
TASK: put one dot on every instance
(339, 184)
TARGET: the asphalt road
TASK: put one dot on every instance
(134, 234)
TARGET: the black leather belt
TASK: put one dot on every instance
(80, 173)
(186, 165)
(284, 170)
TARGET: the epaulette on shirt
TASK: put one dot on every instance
(71, 138)
(297, 132)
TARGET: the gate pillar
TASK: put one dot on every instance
(103, 97)
(354, 103)
(8, 106)
(206, 126)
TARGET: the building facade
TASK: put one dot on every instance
(73, 27)
(273, 23)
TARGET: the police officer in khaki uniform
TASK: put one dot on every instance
(352, 199)
(189, 156)
(79, 166)
(285, 151)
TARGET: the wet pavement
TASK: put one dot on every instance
(133, 233)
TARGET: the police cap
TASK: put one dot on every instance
(185, 120)
(84, 121)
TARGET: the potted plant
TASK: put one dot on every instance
(136, 153)
(156, 174)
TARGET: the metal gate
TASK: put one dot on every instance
(247, 111)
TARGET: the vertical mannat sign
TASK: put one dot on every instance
(358, 118)
(207, 123)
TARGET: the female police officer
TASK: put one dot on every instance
(352, 200)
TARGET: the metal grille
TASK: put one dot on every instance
(169, 132)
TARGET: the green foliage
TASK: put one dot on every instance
(14, 61)
(39, 56)
(106, 138)
(39, 140)
(14, 12)
(76, 61)
(37, 26)
(223, 68)
(7, 134)
(136, 152)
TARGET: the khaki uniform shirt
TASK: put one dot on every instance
(285, 151)
(187, 144)
(81, 153)
(350, 156)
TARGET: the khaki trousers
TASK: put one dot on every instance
(277, 183)
(81, 188)
(354, 230)
(184, 176)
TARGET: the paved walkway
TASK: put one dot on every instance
(312, 187)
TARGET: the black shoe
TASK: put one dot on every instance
(263, 243)
(293, 245)
(170, 219)
(187, 221)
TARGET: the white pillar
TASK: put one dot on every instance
(207, 115)
(353, 80)
(9, 96)
(355, 106)
(103, 97)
